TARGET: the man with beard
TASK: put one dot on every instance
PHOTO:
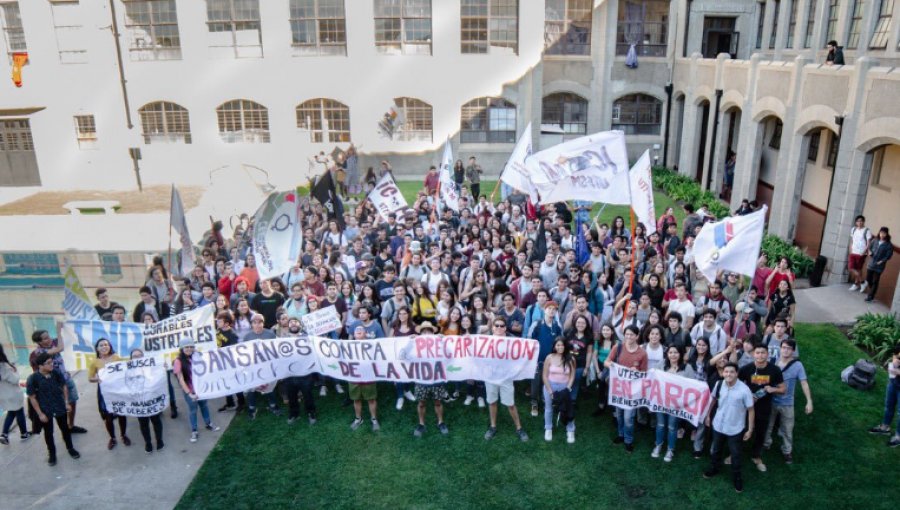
(302, 384)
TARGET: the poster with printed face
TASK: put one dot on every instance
(135, 387)
(321, 321)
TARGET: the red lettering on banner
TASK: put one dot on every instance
(621, 388)
(673, 393)
(420, 345)
(530, 350)
(694, 400)
(647, 388)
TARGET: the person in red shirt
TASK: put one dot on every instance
(629, 355)
(782, 272)
(431, 180)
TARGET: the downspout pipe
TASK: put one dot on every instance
(122, 80)
(668, 88)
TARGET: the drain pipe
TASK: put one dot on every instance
(122, 80)
(712, 143)
(839, 120)
(668, 88)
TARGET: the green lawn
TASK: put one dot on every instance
(267, 462)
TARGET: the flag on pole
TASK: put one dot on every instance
(449, 195)
(642, 193)
(179, 225)
(324, 191)
(277, 234)
(515, 173)
(731, 244)
(582, 252)
(76, 303)
(386, 196)
(593, 168)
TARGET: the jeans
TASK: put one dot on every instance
(579, 372)
(892, 395)
(784, 415)
(270, 397)
(663, 422)
(700, 437)
(303, 385)
(63, 423)
(537, 383)
(145, 421)
(734, 447)
(548, 407)
(19, 416)
(400, 388)
(192, 411)
(475, 389)
(625, 421)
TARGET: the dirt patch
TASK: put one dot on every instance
(152, 199)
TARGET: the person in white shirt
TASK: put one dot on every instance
(683, 305)
(860, 237)
(733, 403)
(714, 334)
(435, 276)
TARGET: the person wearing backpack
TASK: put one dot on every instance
(890, 401)
(880, 250)
(783, 405)
(860, 237)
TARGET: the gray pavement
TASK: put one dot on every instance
(103, 479)
(833, 304)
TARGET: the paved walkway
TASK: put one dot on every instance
(833, 304)
(102, 479)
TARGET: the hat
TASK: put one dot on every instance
(186, 342)
(426, 325)
(548, 304)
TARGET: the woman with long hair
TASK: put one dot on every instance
(105, 354)
(880, 251)
(579, 337)
(347, 293)
(403, 325)
(673, 364)
(597, 354)
(558, 377)
(781, 303)
(424, 307)
(11, 400)
(368, 297)
(619, 229)
(185, 301)
(242, 316)
(184, 373)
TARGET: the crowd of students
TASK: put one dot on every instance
(506, 269)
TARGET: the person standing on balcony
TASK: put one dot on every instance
(473, 174)
(835, 55)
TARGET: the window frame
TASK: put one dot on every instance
(411, 108)
(31, 264)
(85, 131)
(477, 121)
(775, 15)
(165, 122)
(810, 24)
(622, 45)
(321, 22)
(492, 22)
(16, 135)
(232, 24)
(637, 101)
(403, 23)
(812, 152)
(555, 42)
(141, 51)
(14, 34)
(109, 267)
(565, 101)
(831, 20)
(775, 140)
(792, 25)
(854, 27)
(247, 113)
(73, 56)
(320, 107)
(760, 25)
(831, 157)
(881, 34)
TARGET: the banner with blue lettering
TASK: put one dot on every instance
(76, 303)
(158, 340)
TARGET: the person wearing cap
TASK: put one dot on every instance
(504, 392)
(545, 332)
(259, 332)
(435, 392)
(360, 391)
(182, 369)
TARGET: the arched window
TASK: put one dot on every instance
(637, 114)
(564, 112)
(320, 116)
(243, 121)
(416, 120)
(488, 120)
(165, 122)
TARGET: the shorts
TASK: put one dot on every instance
(504, 392)
(431, 392)
(73, 391)
(363, 391)
(856, 262)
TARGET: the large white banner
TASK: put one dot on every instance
(321, 321)
(386, 196)
(642, 193)
(158, 340)
(730, 245)
(592, 168)
(515, 173)
(179, 223)
(135, 387)
(449, 195)
(277, 234)
(659, 392)
(76, 303)
(426, 359)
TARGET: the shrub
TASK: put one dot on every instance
(877, 334)
(686, 190)
(775, 247)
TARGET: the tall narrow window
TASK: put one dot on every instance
(13, 31)
(760, 24)
(489, 26)
(234, 28)
(637, 114)
(153, 29)
(418, 122)
(833, 144)
(567, 27)
(86, 131)
(68, 29)
(403, 27)
(792, 25)
(882, 26)
(831, 28)
(321, 116)
(855, 25)
(165, 122)
(810, 24)
(488, 120)
(813, 153)
(878, 167)
(242, 121)
(774, 24)
(318, 27)
(565, 113)
(644, 24)
(775, 141)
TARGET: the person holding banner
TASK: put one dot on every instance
(105, 354)
(144, 422)
(302, 384)
(505, 393)
(367, 391)
(630, 355)
(183, 371)
(558, 377)
(435, 392)
(674, 364)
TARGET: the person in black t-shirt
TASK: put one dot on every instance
(104, 305)
(267, 302)
(763, 379)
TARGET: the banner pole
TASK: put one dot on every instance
(633, 244)
(496, 187)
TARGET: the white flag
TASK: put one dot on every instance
(179, 224)
(642, 193)
(592, 168)
(449, 195)
(277, 234)
(515, 173)
(386, 196)
(731, 244)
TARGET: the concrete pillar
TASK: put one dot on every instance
(746, 171)
(895, 304)
(690, 128)
(537, 101)
(767, 24)
(791, 165)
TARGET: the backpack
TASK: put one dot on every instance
(861, 374)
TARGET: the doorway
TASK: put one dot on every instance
(719, 36)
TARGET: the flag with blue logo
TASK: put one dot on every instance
(731, 244)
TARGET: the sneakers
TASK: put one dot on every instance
(148, 448)
(419, 430)
(548, 435)
(274, 410)
(570, 436)
(291, 420)
(469, 400)
(491, 432)
(629, 447)
(481, 403)
(759, 465)
(738, 485)
(226, 407)
(894, 442)
(534, 410)
(788, 458)
(126, 441)
(523, 436)
(25, 436)
(375, 425)
(159, 446)
(111, 444)
(339, 389)
(854, 287)
(323, 392)
(194, 436)
(399, 405)
(669, 456)
(312, 418)
(709, 473)
(880, 429)
(51, 460)
(74, 454)
(451, 397)
(212, 428)
(869, 299)
(409, 396)
(81, 430)
(863, 287)
(442, 427)
(4, 439)
(656, 451)
(251, 413)
(727, 461)
(356, 423)
(697, 454)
